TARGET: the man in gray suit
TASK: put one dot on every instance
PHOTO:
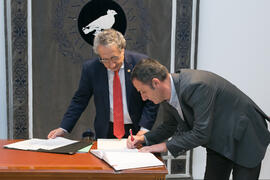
(203, 109)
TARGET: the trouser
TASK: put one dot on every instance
(219, 167)
(127, 127)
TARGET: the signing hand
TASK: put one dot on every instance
(136, 142)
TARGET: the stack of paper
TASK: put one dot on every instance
(117, 155)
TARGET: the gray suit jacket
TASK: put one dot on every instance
(217, 115)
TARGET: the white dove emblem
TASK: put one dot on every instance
(103, 22)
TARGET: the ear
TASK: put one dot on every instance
(155, 82)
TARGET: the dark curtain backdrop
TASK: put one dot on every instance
(59, 51)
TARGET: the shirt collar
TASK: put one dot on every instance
(173, 91)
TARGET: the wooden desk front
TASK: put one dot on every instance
(26, 165)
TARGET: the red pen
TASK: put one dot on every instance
(130, 132)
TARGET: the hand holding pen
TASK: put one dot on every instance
(134, 141)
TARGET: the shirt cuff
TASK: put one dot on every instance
(144, 129)
(145, 140)
(64, 130)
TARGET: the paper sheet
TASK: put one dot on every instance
(110, 144)
(117, 155)
(85, 149)
(129, 160)
(35, 144)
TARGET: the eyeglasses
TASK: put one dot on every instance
(113, 59)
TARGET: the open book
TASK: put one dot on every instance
(57, 145)
(118, 156)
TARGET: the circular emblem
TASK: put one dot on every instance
(98, 15)
(67, 34)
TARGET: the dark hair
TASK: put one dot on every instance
(147, 69)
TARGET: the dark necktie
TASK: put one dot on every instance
(118, 119)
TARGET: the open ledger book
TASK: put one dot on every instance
(118, 156)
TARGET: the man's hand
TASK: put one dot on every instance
(157, 148)
(56, 133)
(141, 132)
(136, 142)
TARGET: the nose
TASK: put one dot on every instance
(111, 65)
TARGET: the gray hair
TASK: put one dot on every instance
(147, 69)
(109, 37)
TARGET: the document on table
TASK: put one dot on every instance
(46, 144)
(111, 144)
(118, 156)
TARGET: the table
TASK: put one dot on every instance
(25, 165)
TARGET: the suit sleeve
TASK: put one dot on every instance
(79, 101)
(201, 98)
(167, 127)
(149, 114)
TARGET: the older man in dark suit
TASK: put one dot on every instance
(98, 79)
(203, 109)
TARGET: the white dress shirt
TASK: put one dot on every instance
(121, 73)
(174, 101)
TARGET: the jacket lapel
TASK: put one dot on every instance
(128, 68)
(187, 111)
(105, 84)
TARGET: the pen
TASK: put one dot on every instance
(130, 132)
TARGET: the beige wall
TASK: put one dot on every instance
(234, 42)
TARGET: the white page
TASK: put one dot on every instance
(128, 160)
(35, 144)
(57, 142)
(100, 153)
(117, 155)
(110, 144)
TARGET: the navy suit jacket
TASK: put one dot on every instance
(94, 81)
